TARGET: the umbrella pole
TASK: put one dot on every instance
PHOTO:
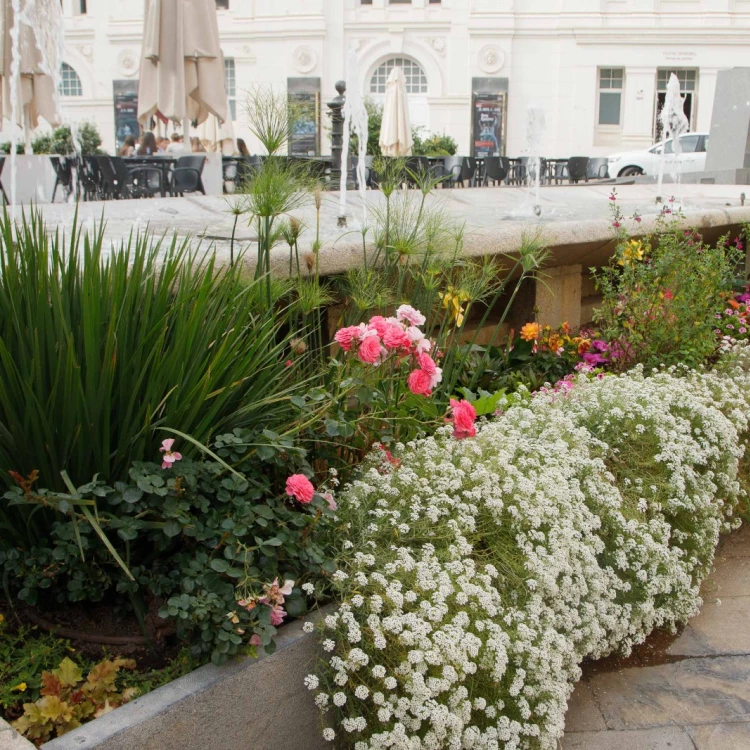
(27, 135)
(186, 147)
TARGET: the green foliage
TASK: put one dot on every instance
(67, 698)
(197, 537)
(437, 144)
(60, 141)
(660, 295)
(99, 348)
(24, 654)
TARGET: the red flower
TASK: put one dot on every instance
(464, 416)
(300, 487)
(420, 383)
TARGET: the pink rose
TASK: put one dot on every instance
(410, 315)
(379, 324)
(420, 383)
(369, 350)
(427, 364)
(436, 377)
(395, 337)
(414, 334)
(423, 345)
(464, 416)
(328, 497)
(345, 337)
(300, 487)
(255, 639)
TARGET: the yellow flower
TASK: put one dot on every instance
(20, 687)
(2, 618)
(530, 332)
(633, 252)
(452, 300)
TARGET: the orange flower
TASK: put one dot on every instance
(583, 346)
(733, 303)
(530, 332)
(565, 328)
(554, 342)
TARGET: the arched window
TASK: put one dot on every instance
(70, 83)
(416, 80)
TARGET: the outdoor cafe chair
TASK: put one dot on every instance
(577, 168)
(496, 169)
(2, 188)
(598, 169)
(527, 169)
(63, 176)
(89, 186)
(459, 170)
(187, 175)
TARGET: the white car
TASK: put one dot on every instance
(692, 157)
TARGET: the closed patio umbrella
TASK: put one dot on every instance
(395, 132)
(38, 57)
(182, 68)
(217, 136)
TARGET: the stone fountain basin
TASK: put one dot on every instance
(575, 223)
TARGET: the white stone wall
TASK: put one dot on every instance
(549, 50)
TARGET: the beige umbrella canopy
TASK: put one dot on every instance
(217, 136)
(395, 132)
(36, 88)
(182, 68)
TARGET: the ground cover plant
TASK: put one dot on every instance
(475, 574)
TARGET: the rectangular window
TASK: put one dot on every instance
(397, 2)
(611, 82)
(304, 95)
(222, 4)
(365, 2)
(230, 82)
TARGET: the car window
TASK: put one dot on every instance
(689, 144)
(668, 149)
(704, 145)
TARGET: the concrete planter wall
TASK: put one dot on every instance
(35, 179)
(247, 704)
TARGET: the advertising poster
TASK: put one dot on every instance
(125, 94)
(488, 125)
(304, 140)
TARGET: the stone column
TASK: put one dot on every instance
(335, 112)
(558, 296)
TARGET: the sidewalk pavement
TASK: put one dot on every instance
(690, 692)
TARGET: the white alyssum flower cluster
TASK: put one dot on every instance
(483, 571)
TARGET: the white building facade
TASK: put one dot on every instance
(596, 68)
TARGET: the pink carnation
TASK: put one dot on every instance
(427, 364)
(420, 383)
(378, 323)
(410, 315)
(369, 349)
(346, 336)
(395, 337)
(464, 416)
(300, 487)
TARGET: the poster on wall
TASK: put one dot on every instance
(125, 95)
(304, 140)
(488, 124)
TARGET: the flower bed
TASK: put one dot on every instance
(477, 574)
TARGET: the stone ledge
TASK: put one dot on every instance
(12, 740)
(259, 703)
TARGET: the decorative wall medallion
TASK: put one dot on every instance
(86, 50)
(438, 44)
(128, 63)
(305, 59)
(491, 58)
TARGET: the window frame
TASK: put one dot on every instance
(230, 77)
(423, 86)
(70, 84)
(609, 126)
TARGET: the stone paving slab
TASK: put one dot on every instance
(720, 736)
(659, 738)
(690, 691)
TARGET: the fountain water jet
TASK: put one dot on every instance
(674, 124)
(355, 119)
(535, 127)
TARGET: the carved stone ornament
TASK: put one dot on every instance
(128, 63)
(439, 45)
(305, 59)
(491, 58)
